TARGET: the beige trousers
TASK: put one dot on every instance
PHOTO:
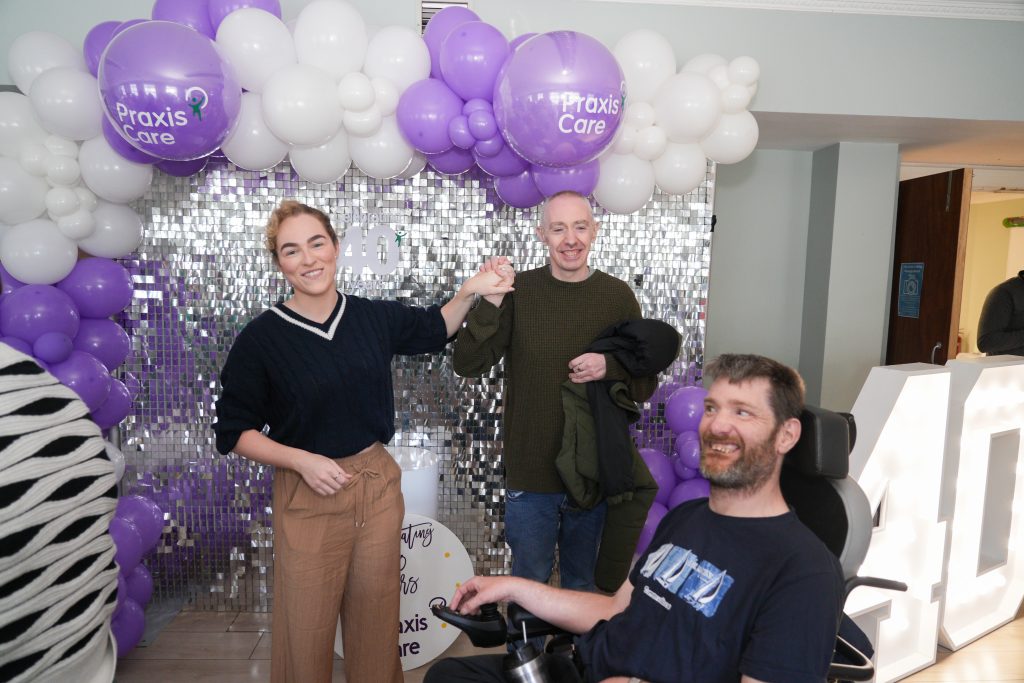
(338, 555)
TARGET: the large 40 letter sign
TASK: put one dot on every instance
(938, 454)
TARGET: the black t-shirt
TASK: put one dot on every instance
(718, 597)
(322, 387)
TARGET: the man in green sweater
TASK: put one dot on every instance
(542, 331)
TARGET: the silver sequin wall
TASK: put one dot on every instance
(202, 273)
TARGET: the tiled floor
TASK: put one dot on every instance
(223, 647)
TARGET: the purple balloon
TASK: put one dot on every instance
(458, 132)
(192, 13)
(33, 310)
(96, 41)
(424, 112)
(105, 339)
(86, 376)
(477, 104)
(489, 147)
(18, 345)
(559, 99)
(471, 57)
(122, 594)
(52, 347)
(183, 169)
(219, 9)
(8, 283)
(438, 28)
(654, 517)
(482, 124)
(167, 91)
(451, 162)
(688, 453)
(124, 26)
(127, 544)
(581, 178)
(661, 469)
(99, 287)
(145, 515)
(683, 472)
(518, 190)
(664, 390)
(519, 40)
(115, 408)
(128, 627)
(684, 409)
(689, 490)
(505, 163)
(122, 147)
(140, 585)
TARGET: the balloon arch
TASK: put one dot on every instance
(208, 79)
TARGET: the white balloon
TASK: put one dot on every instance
(78, 225)
(703, 63)
(115, 456)
(326, 163)
(35, 52)
(22, 196)
(744, 71)
(363, 123)
(688, 106)
(418, 163)
(355, 92)
(735, 98)
(719, 75)
(398, 54)
(385, 154)
(110, 175)
(650, 143)
(256, 44)
(33, 157)
(17, 123)
(118, 231)
(61, 170)
(681, 168)
(639, 115)
(625, 139)
(61, 201)
(331, 35)
(386, 96)
(86, 199)
(65, 102)
(626, 183)
(251, 145)
(55, 144)
(37, 253)
(300, 105)
(647, 60)
(733, 139)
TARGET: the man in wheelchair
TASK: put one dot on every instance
(732, 588)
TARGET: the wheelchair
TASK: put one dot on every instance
(816, 484)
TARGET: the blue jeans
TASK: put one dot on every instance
(536, 522)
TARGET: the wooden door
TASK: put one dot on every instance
(928, 267)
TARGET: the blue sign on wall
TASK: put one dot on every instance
(911, 279)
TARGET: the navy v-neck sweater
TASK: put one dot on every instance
(322, 387)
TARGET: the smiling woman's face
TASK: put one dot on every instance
(306, 255)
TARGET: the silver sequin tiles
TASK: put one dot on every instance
(203, 272)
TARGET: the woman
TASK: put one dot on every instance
(317, 370)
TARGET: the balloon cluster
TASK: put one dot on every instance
(136, 527)
(67, 328)
(534, 113)
(677, 473)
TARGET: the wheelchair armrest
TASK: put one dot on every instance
(874, 582)
(860, 667)
(519, 616)
(487, 629)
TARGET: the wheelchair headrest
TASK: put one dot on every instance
(826, 439)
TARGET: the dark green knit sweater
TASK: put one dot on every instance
(538, 329)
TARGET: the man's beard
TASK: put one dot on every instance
(750, 470)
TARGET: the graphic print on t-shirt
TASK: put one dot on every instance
(679, 571)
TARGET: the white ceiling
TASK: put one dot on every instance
(998, 10)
